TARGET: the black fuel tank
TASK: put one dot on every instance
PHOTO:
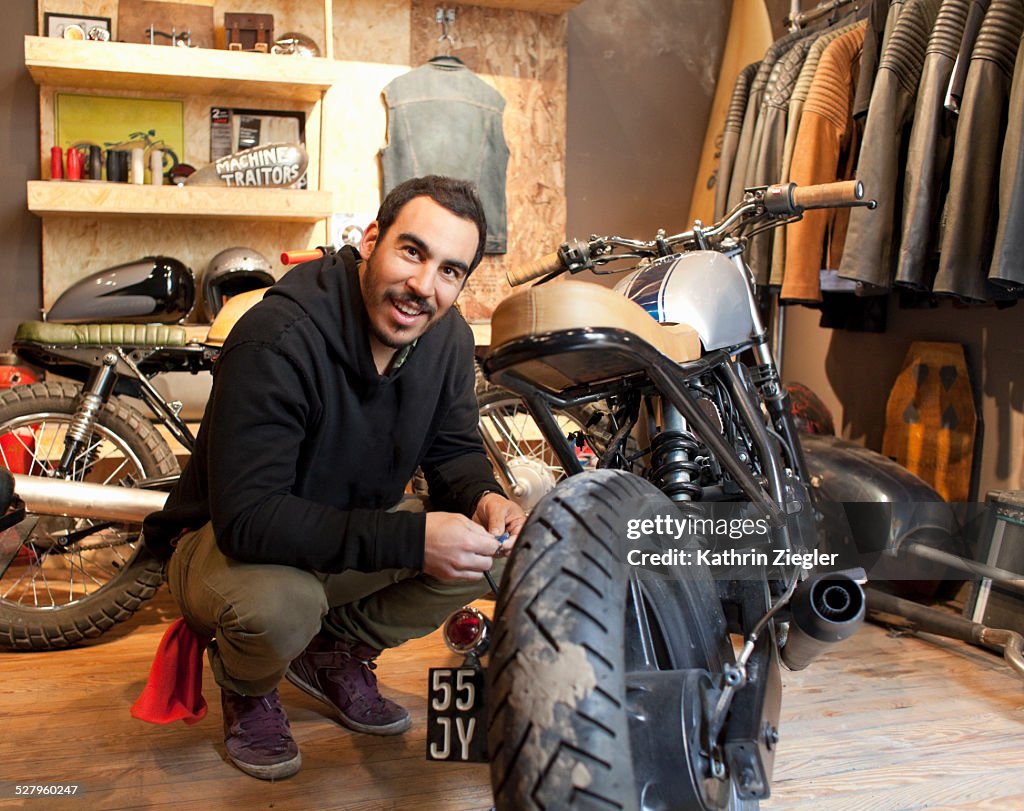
(151, 290)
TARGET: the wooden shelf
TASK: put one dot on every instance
(542, 6)
(102, 199)
(167, 71)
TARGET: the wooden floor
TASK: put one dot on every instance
(896, 722)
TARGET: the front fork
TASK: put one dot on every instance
(95, 394)
(766, 375)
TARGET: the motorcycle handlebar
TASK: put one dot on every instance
(780, 201)
(535, 269)
(828, 195)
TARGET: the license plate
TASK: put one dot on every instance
(456, 715)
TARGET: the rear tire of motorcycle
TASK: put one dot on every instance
(559, 733)
(37, 629)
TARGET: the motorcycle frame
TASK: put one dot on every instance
(116, 369)
(749, 733)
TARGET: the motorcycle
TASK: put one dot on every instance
(649, 605)
(74, 566)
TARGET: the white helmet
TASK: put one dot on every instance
(230, 272)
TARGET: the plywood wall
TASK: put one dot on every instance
(522, 54)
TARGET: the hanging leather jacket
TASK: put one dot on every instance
(882, 16)
(826, 140)
(1008, 263)
(975, 16)
(970, 212)
(445, 120)
(741, 166)
(731, 136)
(793, 113)
(931, 146)
(879, 166)
(766, 162)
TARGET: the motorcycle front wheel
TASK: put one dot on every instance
(66, 579)
(581, 711)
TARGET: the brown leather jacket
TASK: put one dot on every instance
(793, 114)
(826, 140)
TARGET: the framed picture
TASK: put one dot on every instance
(121, 122)
(76, 26)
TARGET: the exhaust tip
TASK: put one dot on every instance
(824, 611)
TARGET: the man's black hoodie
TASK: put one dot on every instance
(304, 445)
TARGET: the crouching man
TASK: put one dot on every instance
(284, 543)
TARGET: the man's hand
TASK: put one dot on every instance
(498, 516)
(455, 548)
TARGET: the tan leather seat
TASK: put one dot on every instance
(233, 309)
(571, 305)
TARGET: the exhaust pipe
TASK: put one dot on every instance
(104, 502)
(824, 610)
(1008, 642)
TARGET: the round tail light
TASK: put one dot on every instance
(467, 630)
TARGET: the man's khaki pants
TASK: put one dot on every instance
(263, 615)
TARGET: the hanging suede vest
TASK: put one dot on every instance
(445, 120)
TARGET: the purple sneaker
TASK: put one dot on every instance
(257, 736)
(340, 674)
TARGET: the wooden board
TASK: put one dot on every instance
(135, 17)
(525, 58)
(930, 419)
(750, 34)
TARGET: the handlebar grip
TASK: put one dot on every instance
(535, 269)
(295, 257)
(829, 195)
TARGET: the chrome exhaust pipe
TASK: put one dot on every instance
(824, 610)
(104, 502)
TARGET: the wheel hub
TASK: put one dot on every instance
(533, 481)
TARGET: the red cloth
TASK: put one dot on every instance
(174, 690)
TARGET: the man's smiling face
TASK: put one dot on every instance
(413, 272)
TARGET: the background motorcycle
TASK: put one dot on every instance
(75, 565)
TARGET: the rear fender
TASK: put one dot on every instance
(884, 504)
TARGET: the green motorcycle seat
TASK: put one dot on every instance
(146, 335)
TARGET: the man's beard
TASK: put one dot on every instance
(409, 299)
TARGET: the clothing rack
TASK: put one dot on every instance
(801, 18)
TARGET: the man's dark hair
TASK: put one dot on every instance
(458, 196)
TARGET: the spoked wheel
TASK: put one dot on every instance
(530, 460)
(583, 711)
(63, 579)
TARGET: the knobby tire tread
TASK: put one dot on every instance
(31, 629)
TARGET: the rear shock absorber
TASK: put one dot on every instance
(673, 469)
(94, 394)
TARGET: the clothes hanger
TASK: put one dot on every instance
(830, 9)
(445, 17)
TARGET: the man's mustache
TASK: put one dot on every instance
(415, 301)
